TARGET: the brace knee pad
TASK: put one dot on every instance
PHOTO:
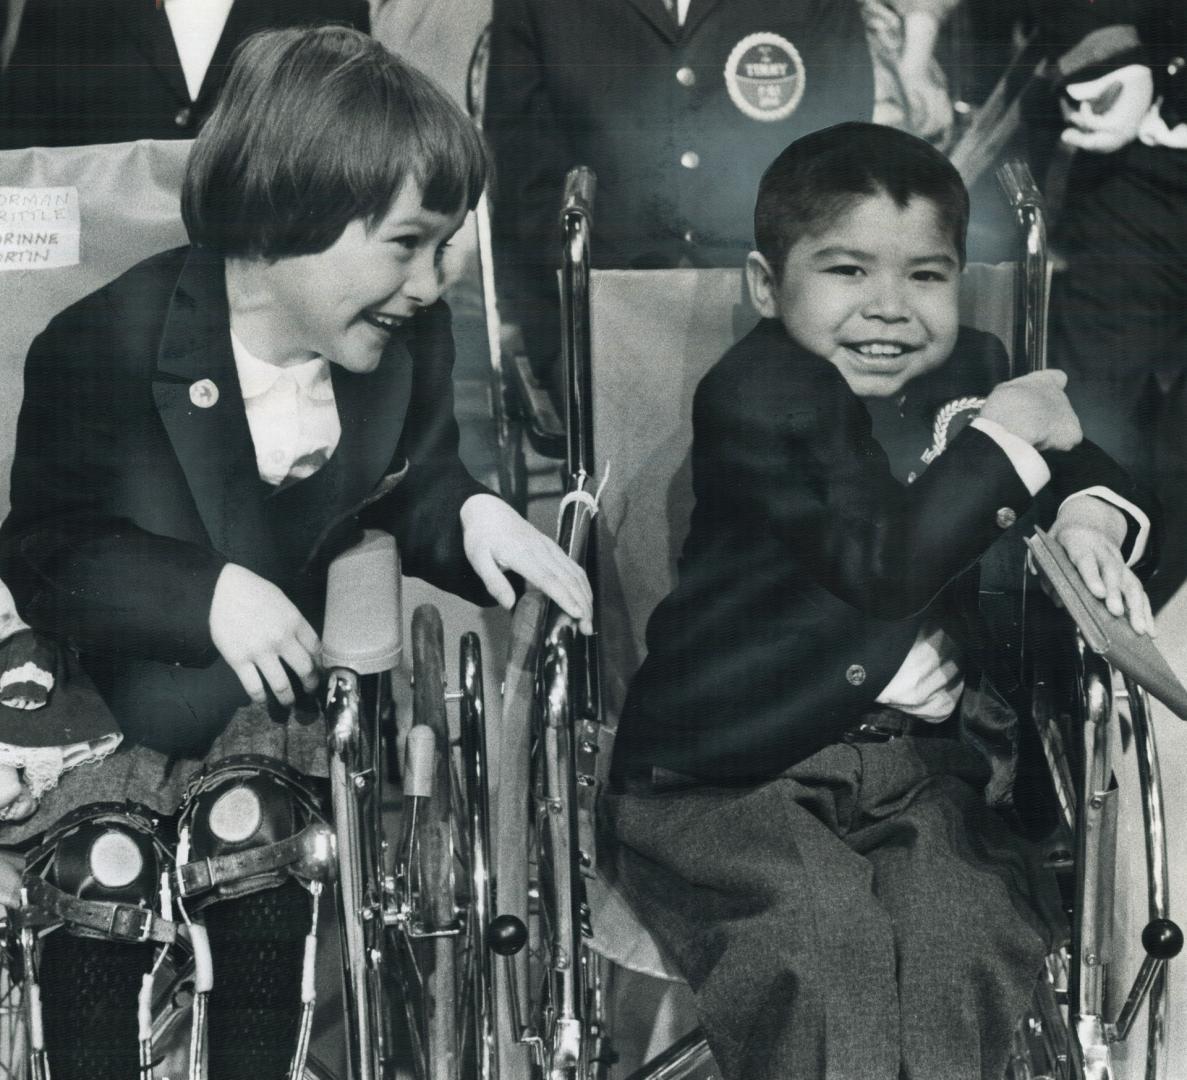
(249, 823)
(98, 873)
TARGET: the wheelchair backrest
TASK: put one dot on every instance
(71, 220)
(654, 335)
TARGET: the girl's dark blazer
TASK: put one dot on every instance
(107, 70)
(135, 481)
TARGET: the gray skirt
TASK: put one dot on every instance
(138, 774)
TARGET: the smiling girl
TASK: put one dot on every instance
(202, 435)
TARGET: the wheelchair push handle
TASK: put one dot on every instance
(1027, 202)
(581, 185)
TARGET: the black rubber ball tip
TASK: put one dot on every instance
(1162, 939)
(507, 935)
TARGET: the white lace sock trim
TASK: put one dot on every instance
(44, 765)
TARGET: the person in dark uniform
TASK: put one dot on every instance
(116, 70)
(1119, 308)
(677, 106)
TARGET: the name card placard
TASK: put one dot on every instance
(39, 227)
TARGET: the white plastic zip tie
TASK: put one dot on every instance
(580, 495)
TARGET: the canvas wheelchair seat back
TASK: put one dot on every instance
(72, 220)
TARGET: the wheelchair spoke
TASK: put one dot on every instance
(13, 1043)
(412, 991)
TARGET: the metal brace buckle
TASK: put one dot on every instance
(146, 918)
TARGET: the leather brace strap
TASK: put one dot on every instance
(119, 922)
(203, 874)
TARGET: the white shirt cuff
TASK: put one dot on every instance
(1134, 513)
(1028, 463)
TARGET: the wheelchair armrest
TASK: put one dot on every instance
(362, 623)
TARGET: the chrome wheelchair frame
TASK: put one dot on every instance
(521, 408)
(413, 919)
(1069, 1034)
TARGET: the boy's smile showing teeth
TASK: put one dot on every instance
(874, 349)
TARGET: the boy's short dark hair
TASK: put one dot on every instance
(316, 128)
(820, 175)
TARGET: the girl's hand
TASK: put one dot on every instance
(11, 865)
(1091, 531)
(497, 539)
(257, 630)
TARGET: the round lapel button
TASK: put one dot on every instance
(203, 393)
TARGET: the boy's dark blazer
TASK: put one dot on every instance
(808, 567)
(107, 71)
(135, 481)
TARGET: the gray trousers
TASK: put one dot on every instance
(863, 917)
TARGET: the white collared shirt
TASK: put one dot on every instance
(197, 25)
(291, 414)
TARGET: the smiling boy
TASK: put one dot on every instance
(798, 818)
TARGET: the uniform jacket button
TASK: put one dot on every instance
(690, 159)
(855, 674)
(1005, 517)
(183, 117)
(685, 76)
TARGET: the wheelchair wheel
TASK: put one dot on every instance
(364, 886)
(13, 1040)
(450, 1000)
(564, 976)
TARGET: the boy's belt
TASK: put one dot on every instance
(883, 725)
(877, 726)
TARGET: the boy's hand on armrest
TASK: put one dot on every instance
(1091, 532)
(496, 539)
(255, 627)
(1035, 408)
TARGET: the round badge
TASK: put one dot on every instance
(203, 393)
(765, 76)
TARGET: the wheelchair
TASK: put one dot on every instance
(413, 910)
(628, 431)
